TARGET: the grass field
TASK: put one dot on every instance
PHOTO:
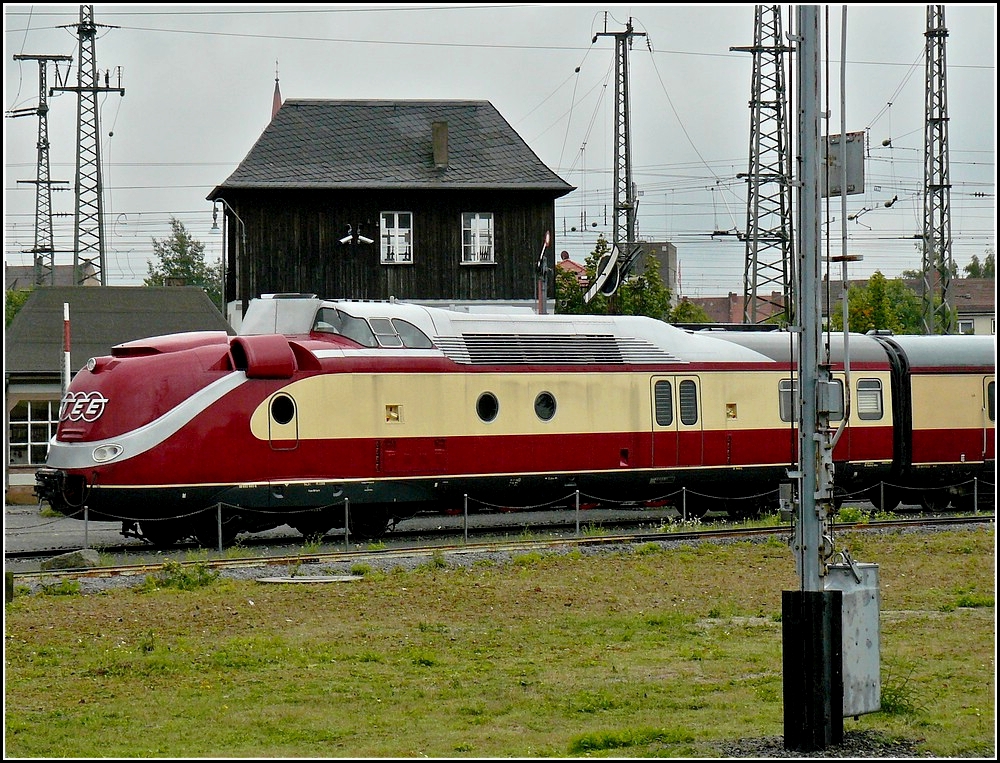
(652, 653)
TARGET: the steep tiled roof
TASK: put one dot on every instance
(100, 317)
(327, 144)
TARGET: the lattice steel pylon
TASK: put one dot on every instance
(44, 249)
(769, 265)
(937, 263)
(88, 238)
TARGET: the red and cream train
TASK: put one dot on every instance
(388, 409)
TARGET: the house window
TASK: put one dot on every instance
(477, 237)
(396, 238)
(966, 327)
(32, 424)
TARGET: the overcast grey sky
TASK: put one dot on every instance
(199, 81)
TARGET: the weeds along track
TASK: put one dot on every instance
(309, 562)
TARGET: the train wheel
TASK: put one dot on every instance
(884, 499)
(694, 508)
(935, 500)
(162, 533)
(370, 523)
(206, 531)
(312, 525)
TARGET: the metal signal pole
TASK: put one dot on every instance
(624, 249)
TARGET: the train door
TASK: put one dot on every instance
(989, 418)
(677, 421)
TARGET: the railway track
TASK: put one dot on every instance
(423, 547)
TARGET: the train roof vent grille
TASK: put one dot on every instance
(550, 349)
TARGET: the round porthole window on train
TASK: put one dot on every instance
(545, 406)
(487, 406)
(282, 409)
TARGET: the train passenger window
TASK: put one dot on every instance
(411, 335)
(545, 406)
(663, 404)
(837, 410)
(687, 391)
(385, 334)
(487, 406)
(869, 399)
(991, 400)
(786, 400)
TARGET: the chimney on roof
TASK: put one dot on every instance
(439, 134)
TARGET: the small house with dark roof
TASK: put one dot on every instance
(422, 200)
(100, 317)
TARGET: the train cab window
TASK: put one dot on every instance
(411, 335)
(545, 406)
(786, 400)
(385, 334)
(349, 326)
(991, 400)
(687, 392)
(327, 321)
(487, 406)
(869, 399)
(663, 404)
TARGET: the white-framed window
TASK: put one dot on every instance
(396, 238)
(477, 237)
(966, 326)
(32, 425)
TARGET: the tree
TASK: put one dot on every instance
(689, 312)
(14, 301)
(882, 304)
(182, 260)
(985, 269)
(644, 294)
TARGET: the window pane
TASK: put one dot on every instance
(991, 400)
(396, 237)
(786, 399)
(477, 237)
(357, 329)
(545, 406)
(411, 335)
(869, 399)
(663, 403)
(688, 393)
(837, 414)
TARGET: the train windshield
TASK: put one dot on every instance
(375, 332)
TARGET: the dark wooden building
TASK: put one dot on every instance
(418, 200)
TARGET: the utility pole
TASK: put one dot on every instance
(44, 249)
(769, 266)
(811, 616)
(88, 241)
(624, 250)
(937, 263)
